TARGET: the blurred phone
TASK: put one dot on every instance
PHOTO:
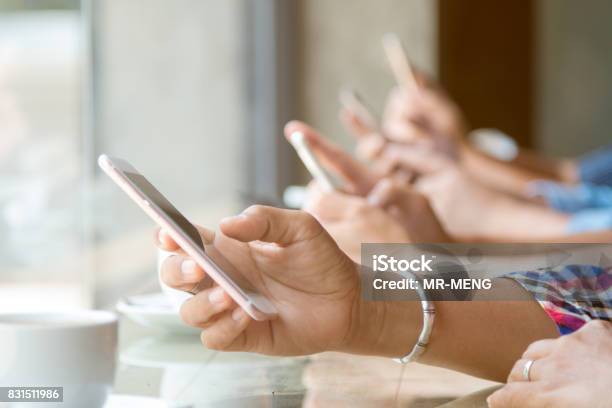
(399, 63)
(186, 235)
(352, 101)
(316, 170)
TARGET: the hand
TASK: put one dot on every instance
(289, 258)
(370, 142)
(571, 371)
(424, 114)
(358, 178)
(351, 220)
(390, 213)
(411, 209)
(401, 159)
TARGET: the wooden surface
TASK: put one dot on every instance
(343, 380)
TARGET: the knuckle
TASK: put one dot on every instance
(564, 342)
(309, 222)
(256, 209)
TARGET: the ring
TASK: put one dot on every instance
(527, 369)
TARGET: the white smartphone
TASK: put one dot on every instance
(399, 63)
(352, 101)
(316, 170)
(156, 206)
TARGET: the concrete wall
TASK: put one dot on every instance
(170, 94)
(339, 45)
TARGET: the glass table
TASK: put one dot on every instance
(180, 370)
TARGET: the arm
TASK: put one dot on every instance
(514, 177)
(290, 259)
(480, 337)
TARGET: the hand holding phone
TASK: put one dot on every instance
(187, 236)
(317, 171)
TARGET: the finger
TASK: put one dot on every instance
(370, 147)
(167, 243)
(354, 173)
(539, 349)
(227, 333)
(516, 395)
(516, 374)
(386, 192)
(404, 131)
(269, 224)
(417, 157)
(333, 206)
(182, 273)
(202, 308)
(354, 125)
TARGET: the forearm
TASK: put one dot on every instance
(496, 174)
(479, 337)
(564, 170)
(506, 219)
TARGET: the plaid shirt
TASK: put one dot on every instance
(572, 294)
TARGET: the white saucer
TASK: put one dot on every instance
(154, 311)
(132, 401)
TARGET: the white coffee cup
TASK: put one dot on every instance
(74, 350)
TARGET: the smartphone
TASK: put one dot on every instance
(316, 170)
(352, 101)
(156, 206)
(399, 63)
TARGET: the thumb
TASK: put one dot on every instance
(269, 224)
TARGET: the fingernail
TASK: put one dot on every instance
(217, 295)
(488, 401)
(188, 270)
(237, 314)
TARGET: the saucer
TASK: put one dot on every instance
(154, 311)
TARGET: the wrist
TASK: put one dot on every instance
(383, 328)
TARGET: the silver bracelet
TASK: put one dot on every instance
(429, 313)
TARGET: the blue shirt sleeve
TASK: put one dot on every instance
(571, 199)
(596, 167)
(590, 220)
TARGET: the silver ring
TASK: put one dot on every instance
(527, 369)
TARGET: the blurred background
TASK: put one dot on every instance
(195, 93)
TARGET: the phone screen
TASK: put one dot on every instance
(156, 198)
